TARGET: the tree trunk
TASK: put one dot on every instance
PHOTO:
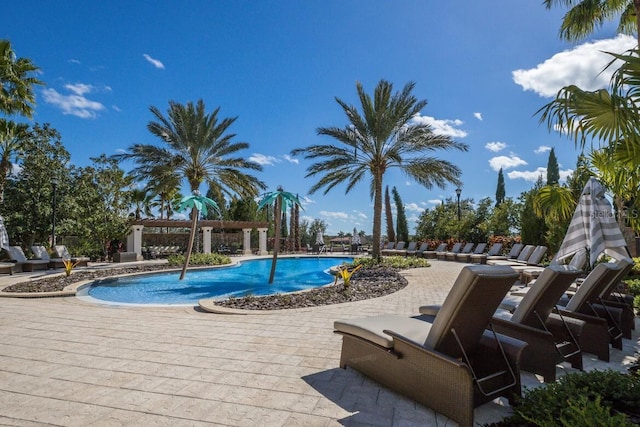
(377, 216)
(192, 236)
(277, 217)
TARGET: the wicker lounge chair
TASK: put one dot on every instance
(550, 341)
(62, 252)
(466, 249)
(17, 254)
(400, 249)
(420, 251)
(522, 258)
(466, 257)
(513, 253)
(451, 365)
(388, 248)
(482, 258)
(442, 247)
(41, 253)
(442, 255)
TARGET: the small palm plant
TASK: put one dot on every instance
(345, 274)
(69, 266)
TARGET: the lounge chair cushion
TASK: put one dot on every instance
(475, 295)
(371, 328)
(543, 296)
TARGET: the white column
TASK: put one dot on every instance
(262, 247)
(206, 240)
(134, 241)
(246, 245)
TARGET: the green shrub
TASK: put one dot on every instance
(399, 262)
(199, 259)
(633, 288)
(595, 398)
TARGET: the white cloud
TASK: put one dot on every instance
(156, 63)
(307, 200)
(565, 174)
(360, 214)
(495, 146)
(532, 176)
(335, 215)
(443, 127)
(413, 207)
(75, 104)
(478, 116)
(290, 159)
(542, 149)
(581, 66)
(506, 162)
(116, 108)
(435, 201)
(263, 160)
(74, 61)
(79, 88)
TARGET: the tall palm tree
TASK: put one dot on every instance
(379, 137)
(16, 82)
(586, 15)
(197, 149)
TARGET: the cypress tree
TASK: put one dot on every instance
(500, 191)
(402, 228)
(391, 235)
(553, 170)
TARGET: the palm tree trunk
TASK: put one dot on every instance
(192, 236)
(377, 217)
(277, 216)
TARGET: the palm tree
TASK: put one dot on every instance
(620, 179)
(16, 82)
(11, 135)
(608, 115)
(141, 201)
(586, 15)
(197, 203)
(198, 149)
(280, 200)
(381, 136)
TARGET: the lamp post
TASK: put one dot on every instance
(458, 191)
(54, 185)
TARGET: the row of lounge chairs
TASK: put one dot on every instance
(469, 350)
(521, 256)
(43, 261)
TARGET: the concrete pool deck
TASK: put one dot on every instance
(67, 362)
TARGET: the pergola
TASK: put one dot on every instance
(134, 240)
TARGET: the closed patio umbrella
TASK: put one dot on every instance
(593, 227)
(4, 237)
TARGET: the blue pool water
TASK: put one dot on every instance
(248, 278)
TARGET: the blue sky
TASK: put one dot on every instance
(485, 68)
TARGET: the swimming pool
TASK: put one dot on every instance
(247, 278)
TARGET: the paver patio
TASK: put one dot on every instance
(68, 362)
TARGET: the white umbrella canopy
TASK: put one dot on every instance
(319, 238)
(4, 237)
(593, 227)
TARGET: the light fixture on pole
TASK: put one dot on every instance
(54, 185)
(458, 191)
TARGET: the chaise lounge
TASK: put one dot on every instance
(17, 254)
(451, 364)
